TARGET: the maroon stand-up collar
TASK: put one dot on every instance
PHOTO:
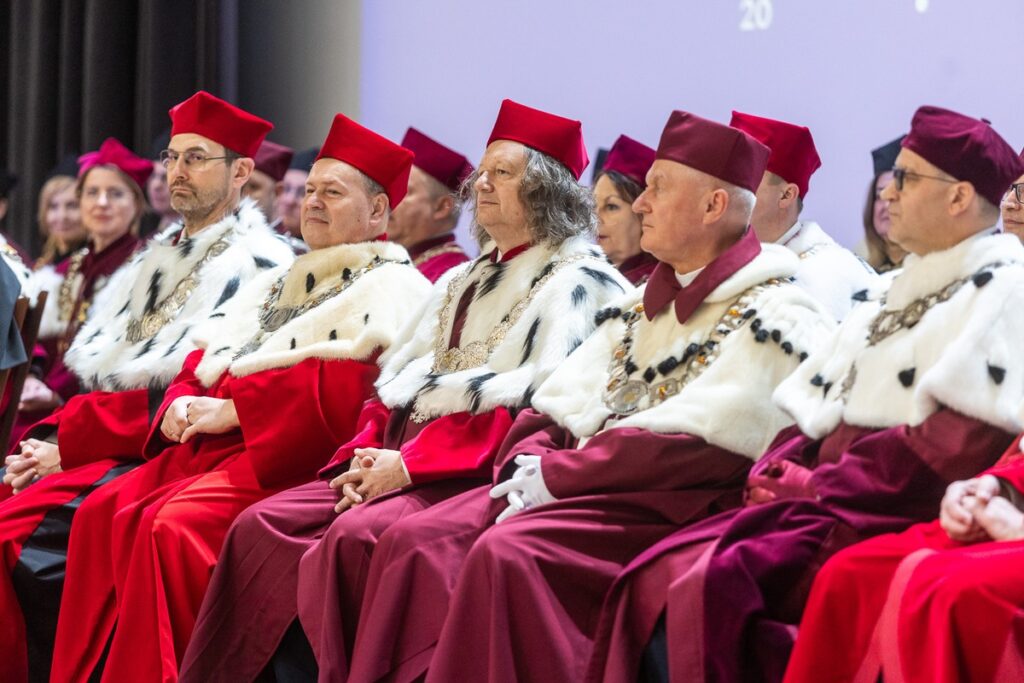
(510, 254)
(638, 267)
(420, 248)
(663, 287)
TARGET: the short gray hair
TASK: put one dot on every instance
(373, 188)
(557, 206)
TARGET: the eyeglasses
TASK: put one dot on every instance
(899, 175)
(1017, 192)
(194, 160)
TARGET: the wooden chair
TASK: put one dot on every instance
(12, 380)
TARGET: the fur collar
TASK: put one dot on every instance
(47, 279)
(556, 321)
(729, 403)
(102, 356)
(352, 324)
(963, 353)
(829, 272)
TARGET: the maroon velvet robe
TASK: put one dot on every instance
(735, 585)
(637, 269)
(436, 256)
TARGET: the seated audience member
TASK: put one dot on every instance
(492, 331)
(879, 250)
(161, 214)
(266, 183)
(142, 549)
(425, 220)
(288, 201)
(60, 221)
(619, 228)
(829, 272)
(918, 388)
(138, 334)
(7, 182)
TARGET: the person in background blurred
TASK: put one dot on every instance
(59, 221)
(622, 178)
(161, 216)
(1011, 209)
(288, 203)
(877, 249)
(7, 182)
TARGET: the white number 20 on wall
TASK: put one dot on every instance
(757, 15)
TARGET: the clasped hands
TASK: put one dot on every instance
(191, 415)
(37, 459)
(973, 511)
(372, 472)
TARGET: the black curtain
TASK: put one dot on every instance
(73, 72)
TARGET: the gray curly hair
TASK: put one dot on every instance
(557, 206)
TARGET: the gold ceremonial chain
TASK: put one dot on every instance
(168, 309)
(272, 318)
(65, 297)
(887, 323)
(475, 354)
(436, 251)
(624, 396)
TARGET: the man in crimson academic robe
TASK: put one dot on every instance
(492, 331)
(830, 272)
(941, 601)
(653, 422)
(137, 336)
(918, 388)
(425, 221)
(276, 387)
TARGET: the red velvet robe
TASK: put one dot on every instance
(154, 534)
(637, 269)
(735, 585)
(918, 606)
(436, 256)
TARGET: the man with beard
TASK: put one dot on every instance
(136, 338)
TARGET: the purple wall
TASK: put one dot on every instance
(851, 70)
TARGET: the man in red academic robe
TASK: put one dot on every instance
(138, 334)
(653, 422)
(917, 389)
(492, 331)
(223, 438)
(424, 222)
(954, 600)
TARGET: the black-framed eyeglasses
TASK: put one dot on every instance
(899, 175)
(193, 159)
(1016, 191)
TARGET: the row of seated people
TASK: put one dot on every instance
(532, 469)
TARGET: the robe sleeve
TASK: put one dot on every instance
(893, 477)
(292, 419)
(184, 384)
(1010, 468)
(460, 445)
(628, 459)
(368, 433)
(100, 425)
(532, 433)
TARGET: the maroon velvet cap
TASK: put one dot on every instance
(720, 151)
(220, 121)
(373, 154)
(793, 155)
(113, 153)
(441, 163)
(966, 148)
(630, 158)
(273, 159)
(553, 135)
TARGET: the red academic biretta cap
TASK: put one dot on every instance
(630, 158)
(966, 148)
(373, 154)
(443, 164)
(793, 155)
(273, 159)
(113, 153)
(224, 123)
(553, 135)
(721, 151)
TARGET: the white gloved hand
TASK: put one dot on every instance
(525, 489)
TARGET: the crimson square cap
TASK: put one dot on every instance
(721, 151)
(793, 155)
(113, 153)
(630, 158)
(441, 163)
(553, 135)
(220, 121)
(273, 159)
(373, 154)
(966, 148)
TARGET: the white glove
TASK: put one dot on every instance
(526, 488)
